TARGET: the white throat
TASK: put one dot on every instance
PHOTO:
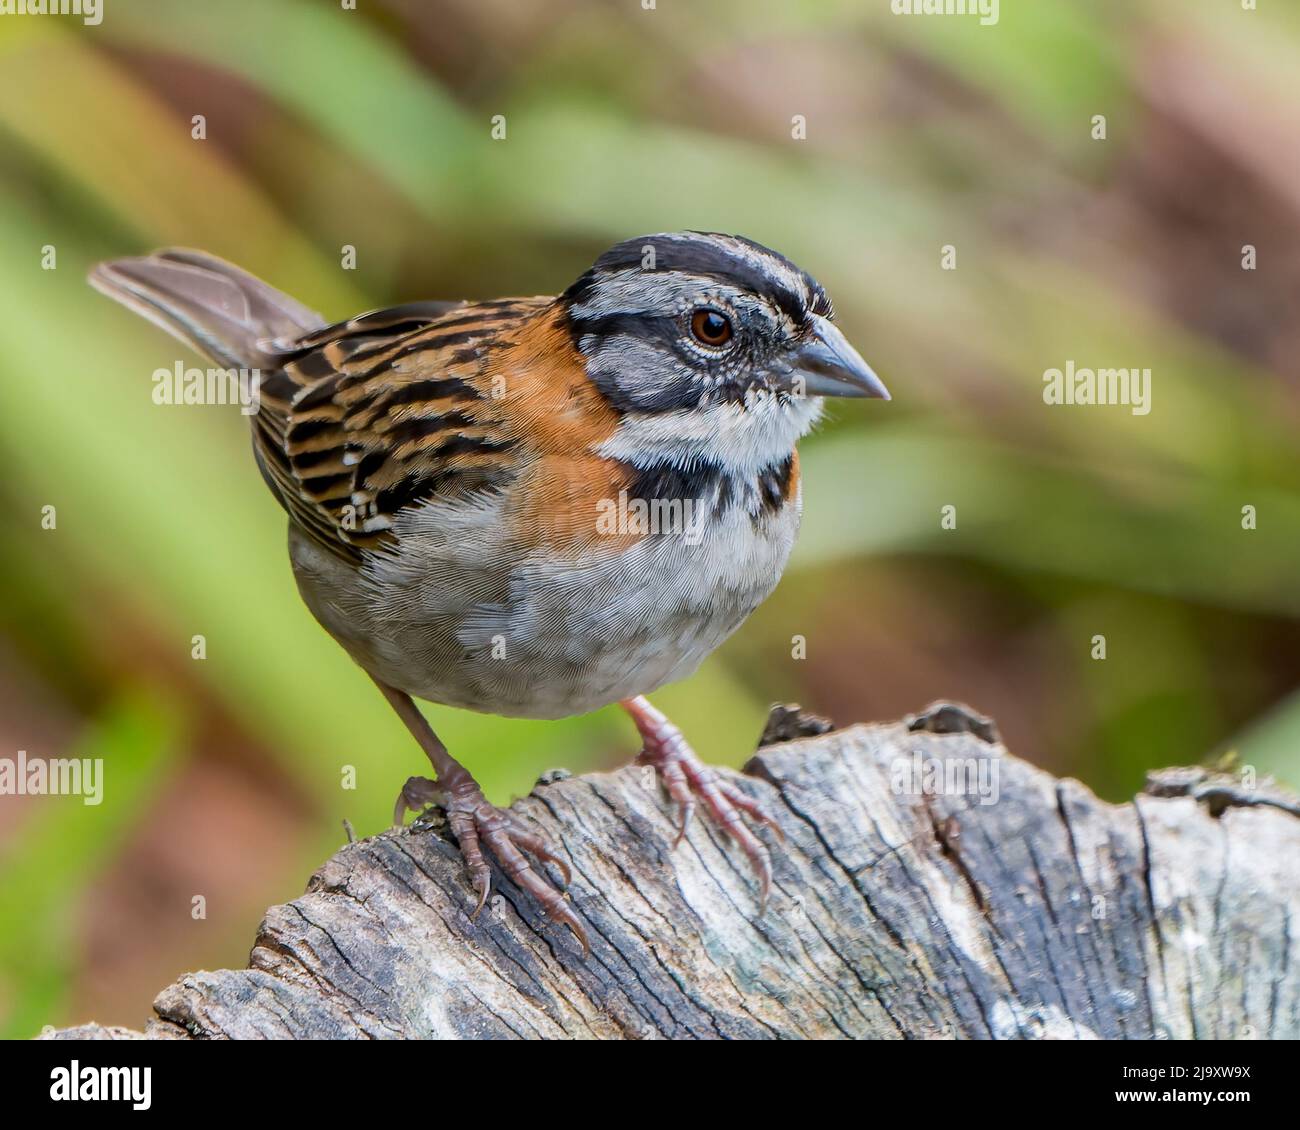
(743, 439)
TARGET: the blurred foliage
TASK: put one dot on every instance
(329, 127)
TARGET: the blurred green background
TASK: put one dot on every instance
(329, 127)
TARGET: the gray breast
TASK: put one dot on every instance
(462, 616)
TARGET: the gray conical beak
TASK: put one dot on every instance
(827, 365)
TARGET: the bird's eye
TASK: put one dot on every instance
(711, 328)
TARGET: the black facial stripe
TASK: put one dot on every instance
(608, 375)
(648, 327)
(610, 378)
(625, 398)
(710, 260)
(580, 291)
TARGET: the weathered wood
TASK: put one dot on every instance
(1047, 913)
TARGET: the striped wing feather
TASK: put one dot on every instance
(383, 411)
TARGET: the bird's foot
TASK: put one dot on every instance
(687, 780)
(476, 824)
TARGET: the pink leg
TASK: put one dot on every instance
(686, 778)
(477, 824)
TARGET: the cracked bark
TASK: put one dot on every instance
(893, 914)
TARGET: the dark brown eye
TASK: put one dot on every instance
(711, 328)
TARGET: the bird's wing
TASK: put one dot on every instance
(383, 411)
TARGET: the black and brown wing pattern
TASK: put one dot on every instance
(385, 410)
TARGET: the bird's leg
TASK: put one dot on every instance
(476, 823)
(686, 778)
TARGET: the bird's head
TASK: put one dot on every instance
(687, 319)
(693, 334)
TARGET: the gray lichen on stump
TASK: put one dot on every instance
(894, 913)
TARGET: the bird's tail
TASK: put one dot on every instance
(211, 305)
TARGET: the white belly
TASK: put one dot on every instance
(462, 619)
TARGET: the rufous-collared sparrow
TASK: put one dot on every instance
(534, 506)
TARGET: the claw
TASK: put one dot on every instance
(687, 809)
(416, 795)
(754, 809)
(685, 778)
(678, 785)
(477, 826)
(482, 901)
(534, 843)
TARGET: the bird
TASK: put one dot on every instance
(534, 507)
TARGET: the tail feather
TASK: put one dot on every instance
(211, 305)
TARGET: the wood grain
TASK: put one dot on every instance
(1045, 914)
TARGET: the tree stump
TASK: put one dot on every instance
(897, 910)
